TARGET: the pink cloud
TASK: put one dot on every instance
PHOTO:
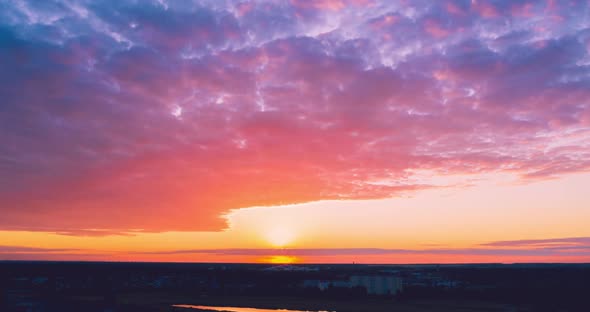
(523, 10)
(331, 5)
(453, 8)
(191, 117)
(485, 9)
(435, 29)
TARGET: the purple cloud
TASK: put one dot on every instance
(29, 250)
(552, 242)
(162, 115)
(303, 252)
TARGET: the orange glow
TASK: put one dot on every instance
(296, 131)
(281, 260)
(511, 212)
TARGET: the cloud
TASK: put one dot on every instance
(553, 242)
(29, 250)
(149, 117)
(328, 252)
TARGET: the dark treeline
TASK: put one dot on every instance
(543, 288)
(100, 285)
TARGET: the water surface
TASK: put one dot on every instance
(237, 309)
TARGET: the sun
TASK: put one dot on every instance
(281, 260)
(280, 236)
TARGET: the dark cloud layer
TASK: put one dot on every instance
(161, 115)
(562, 247)
(556, 248)
(28, 250)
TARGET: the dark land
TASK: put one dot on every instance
(146, 287)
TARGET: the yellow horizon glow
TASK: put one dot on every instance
(280, 259)
(458, 217)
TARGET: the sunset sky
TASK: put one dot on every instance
(365, 131)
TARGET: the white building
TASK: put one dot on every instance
(321, 285)
(377, 284)
(374, 284)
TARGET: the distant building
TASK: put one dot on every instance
(293, 268)
(321, 285)
(377, 284)
(373, 284)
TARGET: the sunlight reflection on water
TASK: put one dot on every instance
(237, 309)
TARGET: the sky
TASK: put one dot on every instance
(328, 131)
